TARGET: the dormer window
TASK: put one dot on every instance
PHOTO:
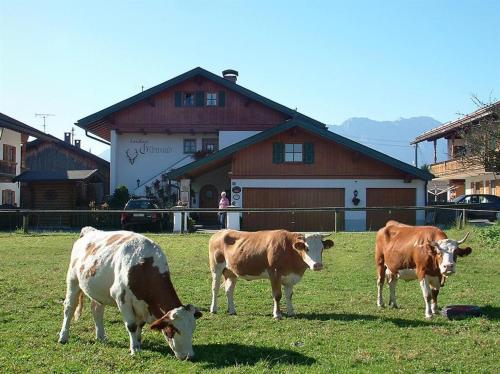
(211, 98)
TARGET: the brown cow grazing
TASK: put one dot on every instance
(415, 252)
(280, 256)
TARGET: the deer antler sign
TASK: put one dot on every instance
(131, 158)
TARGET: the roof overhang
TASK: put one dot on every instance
(15, 125)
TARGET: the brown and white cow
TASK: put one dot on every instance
(127, 270)
(280, 256)
(415, 252)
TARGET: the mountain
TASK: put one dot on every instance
(394, 137)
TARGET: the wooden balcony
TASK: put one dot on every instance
(7, 167)
(454, 169)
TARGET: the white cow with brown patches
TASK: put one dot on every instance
(127, 270)
(280, 256)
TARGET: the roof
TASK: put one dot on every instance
(15, 125)
(325, 134)
(103, 114)
(53, 176)
(452, 126)
(69, 147)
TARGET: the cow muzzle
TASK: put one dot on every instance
(448, 269)
(317, 266)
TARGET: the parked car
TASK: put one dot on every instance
(483, 203)
(146, 220)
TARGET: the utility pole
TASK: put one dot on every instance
(44, 116)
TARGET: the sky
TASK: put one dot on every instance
(332, 60)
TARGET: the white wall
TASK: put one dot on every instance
(354, 220)
(478, 178)
(12, 138)
(227, 138)
(151, 154)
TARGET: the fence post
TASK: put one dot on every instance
(463, 218)
(183, 222)
(25, 222)
(335, 221)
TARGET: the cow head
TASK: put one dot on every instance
(448, 250)
(311, 248)
(178, 326)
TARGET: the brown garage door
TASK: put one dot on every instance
(292, 198)
(376, 197)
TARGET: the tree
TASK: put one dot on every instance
(119, 198)
(482, 138)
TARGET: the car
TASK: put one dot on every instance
(137, 219)
(484, 205)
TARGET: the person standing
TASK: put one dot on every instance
(223, 204)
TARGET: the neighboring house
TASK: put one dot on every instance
(458, 178)
(207, 134)
(62, 175)
(13, 138)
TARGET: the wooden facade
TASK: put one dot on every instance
(330, 161)
(390, 197)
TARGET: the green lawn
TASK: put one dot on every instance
(338, 327)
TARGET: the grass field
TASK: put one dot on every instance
(338, 327)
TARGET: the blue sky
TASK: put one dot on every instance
(331, 59)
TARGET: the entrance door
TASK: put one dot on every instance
(209, 198)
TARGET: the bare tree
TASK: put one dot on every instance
(482, 138)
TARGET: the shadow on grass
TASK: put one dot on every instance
(368, 317)
(492, 312)
(218, 356)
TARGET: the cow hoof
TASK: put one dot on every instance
(278, 317)
(63, 341)
(233, 313)
(394, 306)
(381, 305)
(428, 316)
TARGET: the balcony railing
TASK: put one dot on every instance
(451, 167)
(8, 167)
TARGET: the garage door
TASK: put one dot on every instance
(389, 197)
(292, 198)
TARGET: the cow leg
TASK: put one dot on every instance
(288, 295)
(380, 284)
(276, 287)
(435, 286)
(426, 291)
(392, 281)
(73, 292)
(216, 276)
(130, 318)
(229, 286)
(98, 315)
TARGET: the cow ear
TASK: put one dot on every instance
(327, 244)
(196, 312)
(160, 324)
(434, 246)
(299, 245)
(463, 251)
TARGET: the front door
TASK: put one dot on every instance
(209, 198)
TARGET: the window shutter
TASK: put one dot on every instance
(308, 153)
(222, 98)
(178, 99)
(200, 98)
(278, 153)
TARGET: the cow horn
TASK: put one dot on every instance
(463, 240)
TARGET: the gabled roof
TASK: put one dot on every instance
(54, 176)
(102, 114)
(325, 134)
(15, 125)
(453, 126)
(69, 147)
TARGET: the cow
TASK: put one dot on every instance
(127, 270)
(280, 256)
(415, 252)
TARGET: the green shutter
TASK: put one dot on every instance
(278, 153)
(200, 98)
(308, 153)
(178, 99)
(222, 98)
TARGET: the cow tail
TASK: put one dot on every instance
(79, 307)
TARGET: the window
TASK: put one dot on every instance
(8, 197)
(189, 145)
(293, 152)
(188, 99)
(210, 145)
(211, 99)
(9, 153)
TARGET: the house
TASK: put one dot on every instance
(459, 178)
(61, 175)
(200, 134)
(13, 139)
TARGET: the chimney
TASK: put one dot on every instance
(78, 143)
(230, 75)
(67, 137)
